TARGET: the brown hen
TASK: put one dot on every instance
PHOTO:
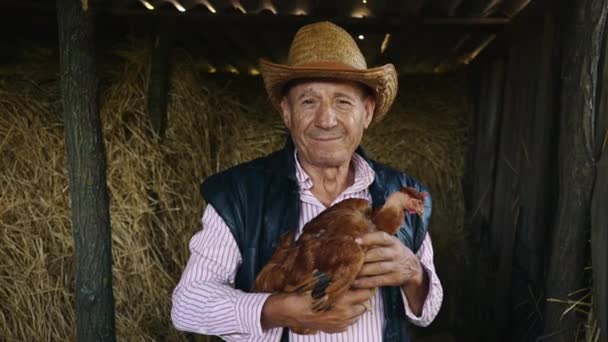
(313, 264)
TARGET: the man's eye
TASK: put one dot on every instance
(308, 101)
(344, 103)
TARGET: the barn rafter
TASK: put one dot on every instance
(262, 28)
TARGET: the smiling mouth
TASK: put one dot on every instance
(326, 138)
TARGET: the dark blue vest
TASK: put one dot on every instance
(259, 201)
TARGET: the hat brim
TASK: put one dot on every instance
(382, 81)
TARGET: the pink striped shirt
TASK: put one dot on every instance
(206, 302)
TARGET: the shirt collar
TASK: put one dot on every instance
(364, 174)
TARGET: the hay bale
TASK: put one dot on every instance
(36, 275)
(155, 205)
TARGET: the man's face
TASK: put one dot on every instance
(326, 120)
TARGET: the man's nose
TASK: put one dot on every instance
(326, 116)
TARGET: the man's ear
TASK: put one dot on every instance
(369, 105)
(286, 112)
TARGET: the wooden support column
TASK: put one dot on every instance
(584, 24)
(158, 85)
(599, 241)
(87, 173)
(599, 202)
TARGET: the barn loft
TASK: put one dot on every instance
(108, 107)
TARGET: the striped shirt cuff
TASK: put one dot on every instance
(248, 308)
(432, 303)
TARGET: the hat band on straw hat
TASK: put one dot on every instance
(326, 65)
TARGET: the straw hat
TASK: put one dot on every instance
(324, 50)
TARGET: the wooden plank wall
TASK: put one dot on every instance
(486, 92)
(537, 174)
(584, 23)
(512, 161)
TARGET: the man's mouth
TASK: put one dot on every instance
(331, 138)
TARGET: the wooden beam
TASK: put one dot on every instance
(239, 43)
(585, 22)
(412, 7)
(234, 61)
(466, 21)
(392, 22)
(158, 85)
(479, 8)
(241, 40)
(446, 8)
(599, 214)
(276, 44)
(325, 8)
(511, 8)
(201, 50)
(384, 24)
(456, 49)
(431, 52)
(87, 172)
(599, 241)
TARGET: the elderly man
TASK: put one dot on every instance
(327, 98)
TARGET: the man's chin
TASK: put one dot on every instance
(331, 160)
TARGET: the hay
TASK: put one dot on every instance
(425, 135)
(154, 201)
(581, 303)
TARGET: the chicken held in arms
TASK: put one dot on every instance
(311, 264)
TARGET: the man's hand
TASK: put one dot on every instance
(390, 263)
(288, 310)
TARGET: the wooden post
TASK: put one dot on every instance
(599, 214)
(158, 86)
(87, 171)
(584, 26)
(599, 241)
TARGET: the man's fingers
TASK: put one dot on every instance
(360, 309)
(378, 254)
(357, 296)
(375, 238)
(370, 282)
(375, 269)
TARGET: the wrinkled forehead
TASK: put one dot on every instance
(318, 85)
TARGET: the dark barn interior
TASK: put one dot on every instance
(501, 112)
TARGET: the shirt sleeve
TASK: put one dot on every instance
(205, 300)
(434, 297)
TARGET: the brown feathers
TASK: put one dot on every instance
(325, 260)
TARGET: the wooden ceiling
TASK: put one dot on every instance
(418, 36)
(353, 8)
